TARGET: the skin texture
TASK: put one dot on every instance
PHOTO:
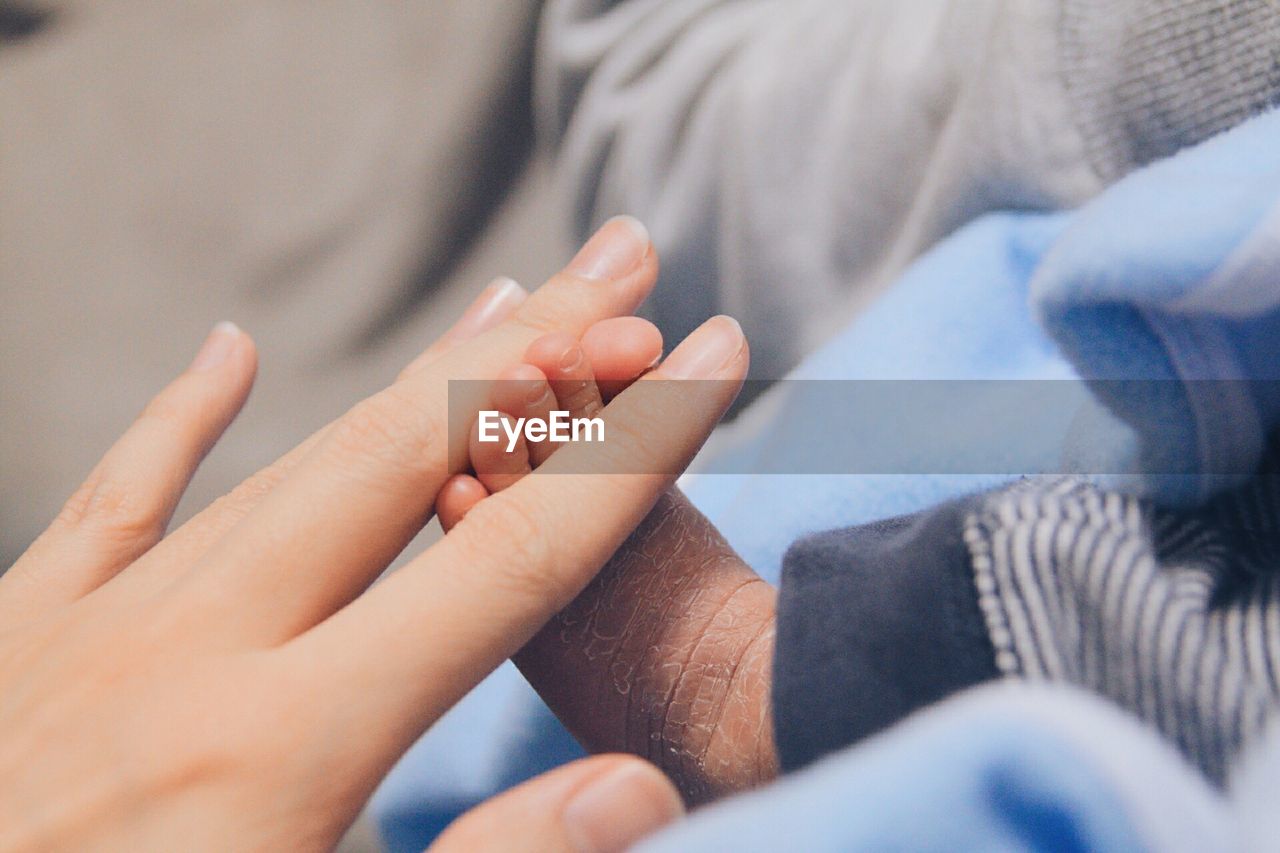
(667, 653)
(176, 691)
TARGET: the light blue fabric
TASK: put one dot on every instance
(1000, 768)
(1174, 274)
(947, 318)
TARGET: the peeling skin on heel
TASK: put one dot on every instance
(666, 655)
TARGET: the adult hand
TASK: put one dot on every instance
(232, 685)
(666, 654)
(607, 802)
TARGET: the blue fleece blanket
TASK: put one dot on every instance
(1005, 766)
(1169, 281)
(1159, 301)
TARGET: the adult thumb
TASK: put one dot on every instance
(596, 805)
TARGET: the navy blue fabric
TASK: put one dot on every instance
(874, 622)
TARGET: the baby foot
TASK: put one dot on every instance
(559, 374)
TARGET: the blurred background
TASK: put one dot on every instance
(338, 178)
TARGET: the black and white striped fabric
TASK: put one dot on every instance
(1173, 615)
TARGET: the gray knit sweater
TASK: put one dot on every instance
(791, 156)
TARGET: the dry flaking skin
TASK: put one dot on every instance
(667, 655)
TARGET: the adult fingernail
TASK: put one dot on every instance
(615, 250)
(713, 346)
(496, 303)
(220, 343)
(614, 812)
